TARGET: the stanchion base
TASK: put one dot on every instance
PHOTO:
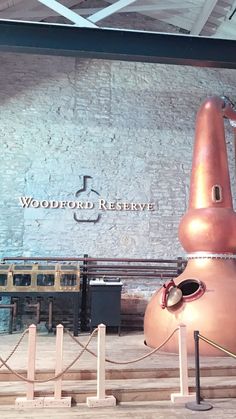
(198, 407)
(95, 402)
(180, 398)
(52, 402)
(22, 402)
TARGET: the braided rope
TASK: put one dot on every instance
(15, 347)
(208, 255)
(56, 377)
(125, 362)
(79, 343)
(84, 348)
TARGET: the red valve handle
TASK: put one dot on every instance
(165, 292)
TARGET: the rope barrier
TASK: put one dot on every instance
(84, 348)
(125, 362)
(144, 356)
(101, 398)
(15, 347)
(56, 376)
(215, 345)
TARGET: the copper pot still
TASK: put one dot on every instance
(203, 297)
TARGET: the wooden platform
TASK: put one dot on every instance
(152, 379)
(222, 408)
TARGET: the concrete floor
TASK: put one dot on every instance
(222, 408)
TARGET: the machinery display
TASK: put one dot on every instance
(203, 297)
(38, 278)
(51, 290)
(38, 287)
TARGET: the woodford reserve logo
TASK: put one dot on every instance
(92, 201)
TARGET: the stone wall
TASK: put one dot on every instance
(129, 126)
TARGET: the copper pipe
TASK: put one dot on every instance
(210, 164)
(38, 304)
(37, 307)
(50, 308)
(14, 310)
(210, 222)
(11, 306)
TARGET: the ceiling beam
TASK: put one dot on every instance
(110, 10)
(27, 10)
(29, 13)
(203, 17)
(158, 7)
(114, 44)
(67, 13)
(8, 4)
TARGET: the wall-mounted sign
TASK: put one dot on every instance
(98, 203)
(102, 204)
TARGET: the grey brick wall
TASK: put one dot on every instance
(130, 126)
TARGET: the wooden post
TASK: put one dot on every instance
(58, 400)
(183, 360)
(184, 395)
(58, 367)
(101, 400)
(50, 307)
(30, 401)
(101, 362)
(31, 362)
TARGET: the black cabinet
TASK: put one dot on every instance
(105, 303)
